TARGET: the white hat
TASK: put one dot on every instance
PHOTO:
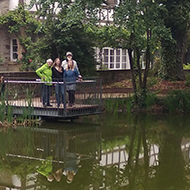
(69, 53)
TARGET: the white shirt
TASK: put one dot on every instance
(64, 64)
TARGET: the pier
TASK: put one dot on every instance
(24, 97)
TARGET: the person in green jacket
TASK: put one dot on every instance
(45, 73)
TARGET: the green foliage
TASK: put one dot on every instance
(26, 61)
(20, 19)
(113, 105)
(26, 27)
(66, 32)
(143, 100)
(177, 19)
(177, 101)
(187, 82)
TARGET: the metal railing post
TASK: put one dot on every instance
(65, 100)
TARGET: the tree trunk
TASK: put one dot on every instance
(139, 67)
(147, 65)
(132, 70)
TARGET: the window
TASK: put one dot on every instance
(115, 58)
(14, 49)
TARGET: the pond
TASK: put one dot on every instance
(134, 152)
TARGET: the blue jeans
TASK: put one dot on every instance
(46, 94)
(59, 93)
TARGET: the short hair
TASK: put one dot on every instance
(49, 60)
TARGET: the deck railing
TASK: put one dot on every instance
(25, 97)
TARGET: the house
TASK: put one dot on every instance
(9, 47)
(10, 50)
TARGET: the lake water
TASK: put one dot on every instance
(113, 152)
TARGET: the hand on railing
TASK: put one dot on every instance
(80, 78)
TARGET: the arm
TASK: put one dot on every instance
(77, 73)
(76, 66)
(40, 71)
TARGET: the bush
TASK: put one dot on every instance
(177, 101)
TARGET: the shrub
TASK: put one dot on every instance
(177, 101)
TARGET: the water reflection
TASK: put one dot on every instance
(39, 158)
(137, 152)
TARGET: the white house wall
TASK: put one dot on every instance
(13, 4)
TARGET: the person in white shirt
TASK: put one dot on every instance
(69, 56)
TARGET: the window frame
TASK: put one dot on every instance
(12, 51)
(122, 53)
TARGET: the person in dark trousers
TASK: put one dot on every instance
(57, 76)
(45, 73)
(70, 76)
(69, 57)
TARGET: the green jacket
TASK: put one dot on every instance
(45, 72)
(46, 167)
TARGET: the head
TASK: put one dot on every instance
(50, 178)
(69, 56)
(70, 176)
(49, 62)
(58, 174)
(70, 64)
(57, 62)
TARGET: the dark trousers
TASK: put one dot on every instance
(59, 92)
(46, 94)
(71, 96)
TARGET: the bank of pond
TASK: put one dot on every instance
(175, 101)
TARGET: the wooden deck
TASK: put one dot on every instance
(23, 96)
(36, 108)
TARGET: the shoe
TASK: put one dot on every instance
(44, 105)
(49, 105)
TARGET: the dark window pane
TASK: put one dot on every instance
(14, 41)
(105, 51)
(111, 59)
(111, 52)
(117, 65)
(117, 59)
(15, 55)
(106, 59)
(117, 52)
(111, 66)
(15, 48)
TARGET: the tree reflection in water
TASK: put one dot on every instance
(137, 152)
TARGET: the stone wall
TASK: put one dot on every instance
(110, 76)
(4, 6)
(5, 54)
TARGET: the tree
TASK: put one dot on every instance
(176, 18)
(143, 22)
(63, 30)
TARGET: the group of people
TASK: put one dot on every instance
(58, 72)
